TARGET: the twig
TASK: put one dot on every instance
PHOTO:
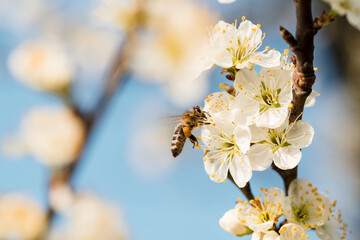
(304, 76)
(117, 75)
(245, 190)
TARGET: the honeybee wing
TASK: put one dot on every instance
(172, 119)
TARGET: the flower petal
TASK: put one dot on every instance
(216, 166)
(273, 117)
(242, 138)
(311, 99)
(267, 60)
(301, 134)
(287, 157)
(260, 156)
(258, 133)
(230, 223)
(240, 170)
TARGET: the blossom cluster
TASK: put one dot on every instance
(304, 209)
(251, 131)
(251, 128)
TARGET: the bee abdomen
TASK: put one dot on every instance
(178, 141)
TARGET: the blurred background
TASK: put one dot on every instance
(127, 159)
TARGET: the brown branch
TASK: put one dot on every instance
(304, 76)
(115, 79)
(245, 190)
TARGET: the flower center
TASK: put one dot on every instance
(229, 146)
(275, 139)
(268, 98)
(301, 213)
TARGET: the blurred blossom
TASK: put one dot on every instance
(226, 1)
(124, 14)
(53, 135)
(350, 8)
(60, 197)
(25, 16)
(91, 218)
(167, 47)
(20, 217)
(43, 65)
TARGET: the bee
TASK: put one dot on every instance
(190, 120)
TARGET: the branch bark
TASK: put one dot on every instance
(115, 79)
(246, 190)
(304, 76)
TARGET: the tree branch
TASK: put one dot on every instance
(304, 76)
(245, 190)
(115, 79)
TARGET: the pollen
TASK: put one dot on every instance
(267, 48)
(212, 175)
(315, 69)
(198, 138)
(243, 17)
(258, 25)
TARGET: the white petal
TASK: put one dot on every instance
(268, 235)
(273, 117)
(263, 226)
(287, 157)
(210, 137)
(217, 102)
(242, 138)
(260, 156)
(300, 134)
(240, 170)
(246, 83)
(275, 197)
(244, 109)
(311, 99)
(258, 133)
(222, 58)
(328, 230)
(292, 231)
(215, 167)
(305, 184)
(268, 60)
(226, 1)
(230, 223)
(251, 31)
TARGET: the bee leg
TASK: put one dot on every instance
(193, 140)
(204, 123)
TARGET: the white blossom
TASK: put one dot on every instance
(262, 215)
(281, 145)
(91, 218)
(167, 49)
(43, 65)
(334, 229)
(20, 217)
(227, 142)
(311, 99)
(226, 1)
(266, 235)
(230, 46)
(230, 223)
(269, 95)
(350, 8)
(53, 135)
(289, 231)
(305, 206)
(292, 231)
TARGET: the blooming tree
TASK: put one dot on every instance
(253, 123)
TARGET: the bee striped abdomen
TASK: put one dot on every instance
(178, 140)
